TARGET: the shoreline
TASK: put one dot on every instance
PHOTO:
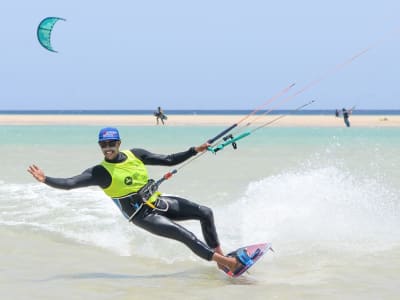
(200, 120)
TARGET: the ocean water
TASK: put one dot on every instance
(326, 198)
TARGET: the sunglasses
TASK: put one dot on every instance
(105, 144)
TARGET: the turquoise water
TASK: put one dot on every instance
(365, 150)
(327, 199)
(82, 135)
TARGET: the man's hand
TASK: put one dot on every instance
(202, 147)
(37, 173)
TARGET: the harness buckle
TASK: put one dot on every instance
(148, 190)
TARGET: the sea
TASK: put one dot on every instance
(328, 199)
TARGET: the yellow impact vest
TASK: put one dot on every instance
(127, 177)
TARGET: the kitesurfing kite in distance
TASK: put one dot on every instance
(44, 32)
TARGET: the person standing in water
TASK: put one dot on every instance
(346, 113)
(123, 176)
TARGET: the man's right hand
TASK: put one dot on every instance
(37, 173)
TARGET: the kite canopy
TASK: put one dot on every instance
(44, 31)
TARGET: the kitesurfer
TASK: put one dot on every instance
(346, 114)
(124, 178)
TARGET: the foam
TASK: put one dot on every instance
(321, 205)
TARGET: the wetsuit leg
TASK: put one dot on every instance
(162, 224)
(180, 209)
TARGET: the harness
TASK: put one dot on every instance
(131, 204)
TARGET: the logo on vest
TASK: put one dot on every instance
(128, 180)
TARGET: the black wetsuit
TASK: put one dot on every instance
(156, 221)
(346, 118)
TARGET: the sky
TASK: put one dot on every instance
(116, 55)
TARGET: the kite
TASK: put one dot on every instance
(44, 32)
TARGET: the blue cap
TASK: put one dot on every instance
(109, 134)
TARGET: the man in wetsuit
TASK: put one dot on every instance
(346, 114)
(123, 177)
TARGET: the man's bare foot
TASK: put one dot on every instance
(226, 263)
(235, 266)
(219, 251)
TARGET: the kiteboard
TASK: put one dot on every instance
(248, 256)
(161, 116)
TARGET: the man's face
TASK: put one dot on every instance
(110, 149)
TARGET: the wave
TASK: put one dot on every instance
(84, 216)
(322, 205)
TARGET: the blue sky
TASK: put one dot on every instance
(199, 54)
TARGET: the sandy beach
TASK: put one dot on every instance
(201, 120)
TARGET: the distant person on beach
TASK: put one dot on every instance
(123, 176)
(337, 113)
(159, 114)
(346, 113)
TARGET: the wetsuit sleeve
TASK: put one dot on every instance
(149, 158)
(93, 176)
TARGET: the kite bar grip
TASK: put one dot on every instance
(228, 142)
(210, 141)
